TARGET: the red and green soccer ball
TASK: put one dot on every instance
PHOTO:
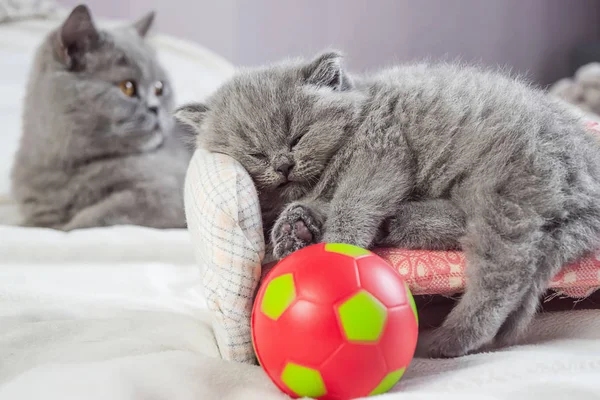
(334, 321)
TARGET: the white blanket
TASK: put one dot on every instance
(117, 313)
(112, 313)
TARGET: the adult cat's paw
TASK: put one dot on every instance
(295, 228)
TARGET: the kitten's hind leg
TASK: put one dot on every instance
(564, 245)
(426, 224)
(502, 247)
(519, 319)
(299, 225)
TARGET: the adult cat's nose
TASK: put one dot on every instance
(285, 167)
(153, 109)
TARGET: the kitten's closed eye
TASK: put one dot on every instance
(259, 156)
(129, 88)
(296, 140)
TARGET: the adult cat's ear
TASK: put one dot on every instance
(327, 70)
(143, 25)
(76, 36)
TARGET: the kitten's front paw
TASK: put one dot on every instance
(294, 229)
(444, 343)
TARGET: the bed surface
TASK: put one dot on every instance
(118, 313)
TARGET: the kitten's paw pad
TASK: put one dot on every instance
(302, 232)
(286, 228)
(295, 229)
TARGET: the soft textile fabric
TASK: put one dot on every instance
(223, 214)
(224, 221)
(443, 272)
(20, 9)
(117, 313)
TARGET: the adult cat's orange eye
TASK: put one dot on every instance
(159, 88)
(128, 87)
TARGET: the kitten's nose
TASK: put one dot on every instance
(153, 109)
(285, 167)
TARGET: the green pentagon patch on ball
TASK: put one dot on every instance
(411, 301)
(388, 382)
(346, 249)
(362, 317)
(304, 381)
(280, 293)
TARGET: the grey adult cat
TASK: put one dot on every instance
(97, 146)
(478, 154)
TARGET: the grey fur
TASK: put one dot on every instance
(478, 152)
(90, 155)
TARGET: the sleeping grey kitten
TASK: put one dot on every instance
(97, 146)
(443, 152)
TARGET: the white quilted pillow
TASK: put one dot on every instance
(224, 220)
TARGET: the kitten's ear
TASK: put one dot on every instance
(188, 119)
(143, 25)
(327, 70)
(190, 116)
(76, 36)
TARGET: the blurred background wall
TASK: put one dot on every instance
(535, 37)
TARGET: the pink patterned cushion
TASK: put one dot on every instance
(443, 272)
